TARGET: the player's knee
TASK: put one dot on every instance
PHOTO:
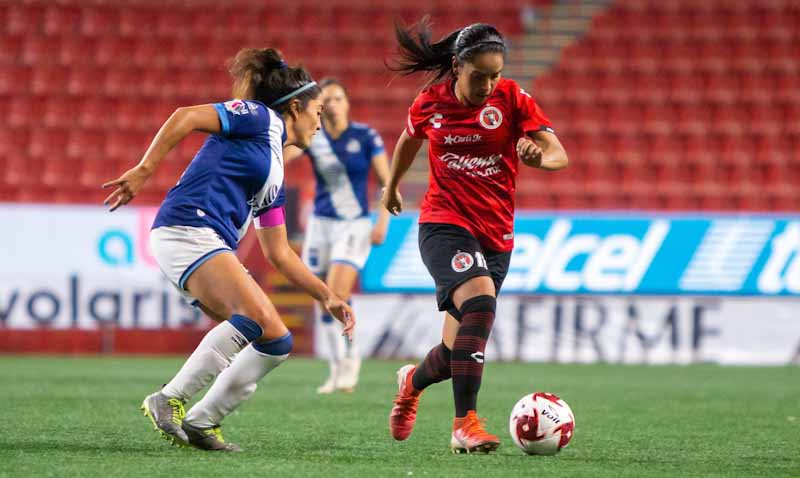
(266, 317)
(477, 286)
(480, 303)
(279, 348)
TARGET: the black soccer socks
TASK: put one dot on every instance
(434, 369)
(467, 357)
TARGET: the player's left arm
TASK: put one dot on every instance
(380, 164)
(542, 149)
(274, 242)
(538, 147)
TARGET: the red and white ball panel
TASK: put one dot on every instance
(541, 424)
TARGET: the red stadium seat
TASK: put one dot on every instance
(61, 20)
(33, 193)
(49, 80)
(172, 22)
(85, 81)
(151, 52)
(15, 80)
(38, 50)
(13, 141)
(113, 51)
(125, 146)
(729, 120)
(25, 111)
(76, 51)
(121, 82)
(59, 112)
(788, 89)
(156, 83)
(85, 145)
(60, 171)
(47, 144)
(24, 19)
(22, 171)
(138, 22)
(97, 171)
(131, 115)
(10, 48)
(99, 21)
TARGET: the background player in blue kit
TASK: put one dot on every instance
(340, 233)
(237, 176)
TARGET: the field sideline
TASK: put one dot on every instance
(80, 417)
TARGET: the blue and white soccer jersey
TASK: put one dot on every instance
(235, 176)
(339, 229)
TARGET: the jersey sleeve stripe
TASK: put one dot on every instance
(223, 118)
(276, 129)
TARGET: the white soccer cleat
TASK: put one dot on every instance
(348, 374)
(330, 384)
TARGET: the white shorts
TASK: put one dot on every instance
(330, 241)
(180, 250)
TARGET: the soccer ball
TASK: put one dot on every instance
(541, 424)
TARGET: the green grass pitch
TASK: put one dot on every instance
(80, 417)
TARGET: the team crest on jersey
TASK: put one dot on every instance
(353, 146)
(491, 117)
(237, 107)
(462, 262)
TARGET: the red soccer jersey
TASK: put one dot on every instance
(473, 157)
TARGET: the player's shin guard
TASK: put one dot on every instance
(212, 355)
(239, 381)
(434, 369)
(467, 357)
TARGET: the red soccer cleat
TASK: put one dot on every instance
(404, 412)
(469, 435)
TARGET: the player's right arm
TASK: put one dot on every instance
(404, 153)
(180, 124)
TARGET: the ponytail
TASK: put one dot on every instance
(261, 74)
(418, 54)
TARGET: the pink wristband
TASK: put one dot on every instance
(271, 218)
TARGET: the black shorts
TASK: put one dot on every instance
(453, 256)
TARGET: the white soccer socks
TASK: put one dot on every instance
(238, 382)
(212, 355)
(349, 367)
(343, 359)
(332, 334)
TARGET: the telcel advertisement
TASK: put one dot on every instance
(627, 254)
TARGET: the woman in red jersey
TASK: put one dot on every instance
(479, 127)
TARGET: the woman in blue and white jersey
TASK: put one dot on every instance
(236, 177)
(340, 232)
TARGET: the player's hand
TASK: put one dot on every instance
(392, 201)
(378, 234)
(127, 187)
(343, 313)
(529, 152)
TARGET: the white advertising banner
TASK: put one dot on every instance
(613, 329)
(73, 266)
